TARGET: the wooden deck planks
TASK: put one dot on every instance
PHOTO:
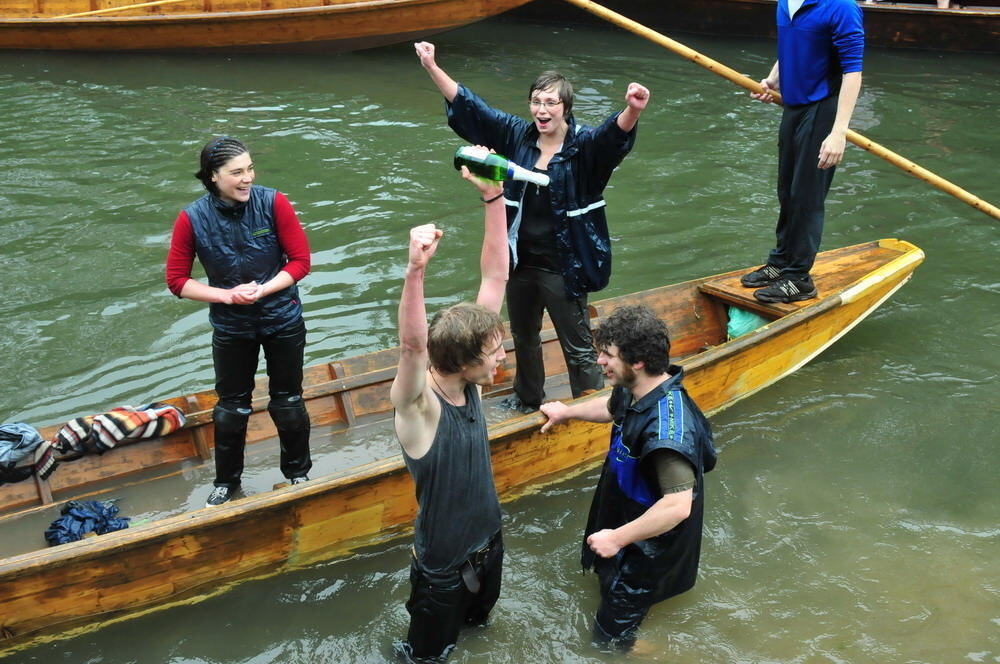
(833, 271)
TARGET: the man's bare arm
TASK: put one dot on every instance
(494, 260)
(410, 393)
(662, 516)
(590, 410)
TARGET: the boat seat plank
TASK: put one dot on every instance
(345, 406)
(43, 489)
(730, 290)
(832, 272)
(198, 436)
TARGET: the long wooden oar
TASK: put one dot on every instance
(754, 86)
(140, 5)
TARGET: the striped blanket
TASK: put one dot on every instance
(100, 433)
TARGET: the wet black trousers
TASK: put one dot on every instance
(531, 292)
(440, 606)
(802, 187)
(236, 361)
(624, 604)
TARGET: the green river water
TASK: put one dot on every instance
(853, 516)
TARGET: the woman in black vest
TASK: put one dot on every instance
(254, 251)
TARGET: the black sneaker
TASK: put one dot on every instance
(786, 290)
(762, 276)
(299, 480)
(220, 495)
(513, 402)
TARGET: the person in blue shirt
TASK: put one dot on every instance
(558, 235)
(818, 73)
(643, 534)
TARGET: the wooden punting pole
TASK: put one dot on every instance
(754, 86)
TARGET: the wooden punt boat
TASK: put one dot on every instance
(182, 557)
(232, 25)
(918, 24)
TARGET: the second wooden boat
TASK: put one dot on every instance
(232, 25)
(975, 28)
(187, 555)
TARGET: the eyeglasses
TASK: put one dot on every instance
(536, 103)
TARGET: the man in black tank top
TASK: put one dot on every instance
(457, 556)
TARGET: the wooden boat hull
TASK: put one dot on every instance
(913, 25)
(55, 592)
(330, 28)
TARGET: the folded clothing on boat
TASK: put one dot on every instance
(18, 441)
(81, 517)
(100, 433)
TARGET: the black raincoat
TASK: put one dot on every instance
(578, 175)
(654, 569)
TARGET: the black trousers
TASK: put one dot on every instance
(531, 292)
(802, 186)
(625, 601)
(236, 360)
(440, 606)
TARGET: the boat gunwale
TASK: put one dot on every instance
(202, 518)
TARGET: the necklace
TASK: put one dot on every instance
(443, 392)
(448, 398)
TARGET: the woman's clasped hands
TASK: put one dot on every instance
(244, 293)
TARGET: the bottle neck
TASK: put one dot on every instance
(516, 172)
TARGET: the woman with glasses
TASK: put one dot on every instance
(558, 236)
(254, 251)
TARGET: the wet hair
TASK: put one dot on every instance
(214, 155)
(555, 80)
(458, 334)
(639, 335)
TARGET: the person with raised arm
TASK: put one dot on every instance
(457, 554)
(558, 235)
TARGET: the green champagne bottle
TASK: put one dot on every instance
(491, 166)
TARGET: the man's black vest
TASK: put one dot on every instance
(665, 565)
(236, 245)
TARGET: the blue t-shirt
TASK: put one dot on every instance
(822, 42)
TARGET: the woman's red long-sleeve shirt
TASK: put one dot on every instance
(291, 237)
